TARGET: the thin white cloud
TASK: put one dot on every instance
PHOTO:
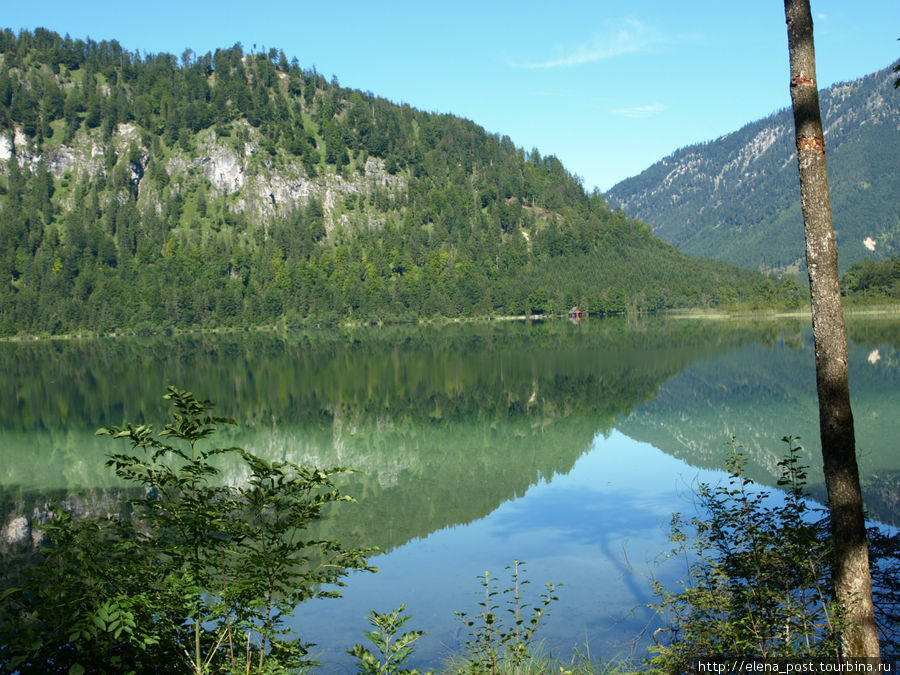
(639, 110)
(627, 36)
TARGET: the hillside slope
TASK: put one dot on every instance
(737, 198)
(142, 191)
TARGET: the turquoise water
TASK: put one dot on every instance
(567, 447)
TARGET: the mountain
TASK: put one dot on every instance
(737, 198)
(143, 192)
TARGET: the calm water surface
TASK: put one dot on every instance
(567, 447)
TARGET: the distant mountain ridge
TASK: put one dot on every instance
(736, 198)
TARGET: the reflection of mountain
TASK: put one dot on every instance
(414, 481)
(760, 394)
(445, 424)
(423, 373)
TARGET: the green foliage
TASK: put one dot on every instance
(758, 578)
(466, 225)
(884, 559)
(783, 291)
(196, 576)
(393, 650)
(872, 279)
(497, 642)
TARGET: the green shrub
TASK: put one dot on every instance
(393, 651)
(758, 575)
(197, 577)
(499, 645)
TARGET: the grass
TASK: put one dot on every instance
(541, 662)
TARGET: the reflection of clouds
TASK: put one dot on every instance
(567, 519)
(575, 514)
(874, 356)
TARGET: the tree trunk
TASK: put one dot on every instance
(852, 580)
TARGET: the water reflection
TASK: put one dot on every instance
(447, 423)
(565, 446)
(760, 393)
(598, 529)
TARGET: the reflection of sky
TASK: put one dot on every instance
(597, 530)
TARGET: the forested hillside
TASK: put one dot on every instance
(149, 191)
(737, 198)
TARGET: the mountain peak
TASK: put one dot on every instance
(737, 199)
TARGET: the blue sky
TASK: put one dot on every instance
(609, 88)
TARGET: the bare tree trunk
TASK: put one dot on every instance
(852, 580)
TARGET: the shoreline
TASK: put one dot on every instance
(698, 314)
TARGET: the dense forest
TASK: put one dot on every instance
(872, 279)
(146, 191)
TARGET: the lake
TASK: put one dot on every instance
(565, 446)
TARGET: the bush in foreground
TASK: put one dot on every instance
(194, 576)
(759, 576)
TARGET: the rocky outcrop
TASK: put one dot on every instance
(266, 187)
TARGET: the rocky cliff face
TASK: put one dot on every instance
(736, 198)
(259, 184)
